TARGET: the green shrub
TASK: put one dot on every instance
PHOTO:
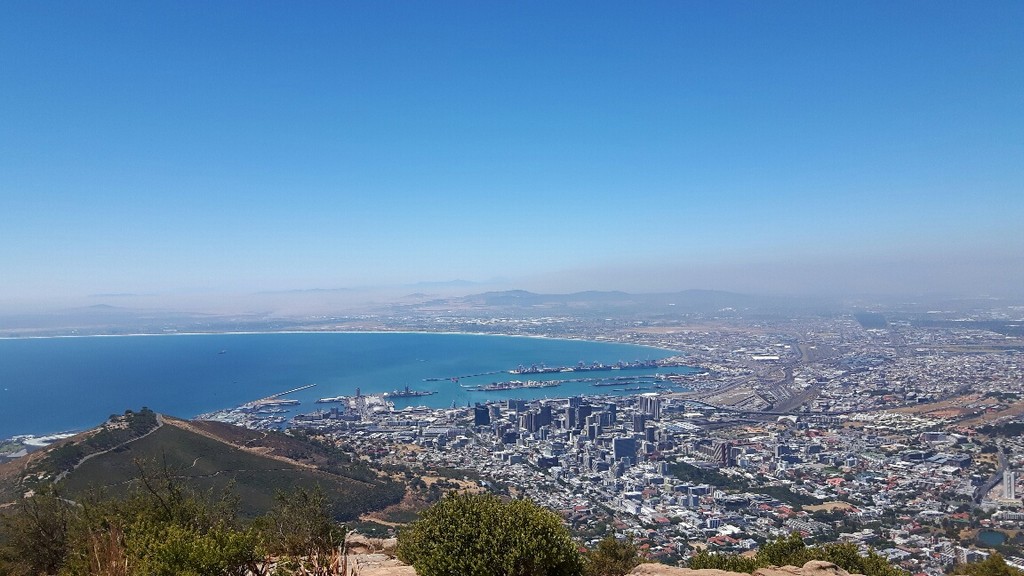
(301, 525)
(994, 565)
(611, 557)
(730, 562)
(792, 551)
(164, 529)
(482, 535)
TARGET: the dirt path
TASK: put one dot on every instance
(62, 475)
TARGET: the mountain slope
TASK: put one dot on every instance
(212, 456)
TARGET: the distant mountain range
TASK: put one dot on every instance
(703, 299)
(319, 308)
(623, 303)
(282, 313)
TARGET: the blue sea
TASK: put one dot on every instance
(50, 385)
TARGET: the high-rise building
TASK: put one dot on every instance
(1009, 484)
(528, 421)
(713, 449)
(612, 410)
(651, 406)
(481, 416)
(639, 422)
(582, 411)
(545, 415)
(624, 448)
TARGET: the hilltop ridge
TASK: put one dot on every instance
(205, 455)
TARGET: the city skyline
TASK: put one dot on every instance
(191, 150)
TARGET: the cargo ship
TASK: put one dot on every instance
(514, 385)
(583, 367)
(406, 393)
(332, 399)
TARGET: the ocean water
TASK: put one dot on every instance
(51, 385)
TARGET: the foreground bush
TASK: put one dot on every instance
(994, 565)
(793, 552)
(166, 529)
(611, 557)
(482, 535)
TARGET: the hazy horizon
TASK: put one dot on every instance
(216, 156)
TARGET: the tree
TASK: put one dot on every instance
(611, 557)
(792, 551)
(301, 527)
(35, 536)
(164, 528)
(728, 562)
(486, 536)
(784, 551)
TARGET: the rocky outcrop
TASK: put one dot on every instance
(376, 565)
(376, 557)
(812, 568)
(356, 543)
(666, 570)
(365, 556)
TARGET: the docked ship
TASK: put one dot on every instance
(595, 367)
(406, 393)
(514, 385)
(275, 402)
(331, 399)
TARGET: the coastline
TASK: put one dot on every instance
(72, 429)
(376, 331)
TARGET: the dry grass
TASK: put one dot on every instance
(1011, 411)
(956, 403)
(830, 506)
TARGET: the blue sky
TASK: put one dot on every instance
(248, 146)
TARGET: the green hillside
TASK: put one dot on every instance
(209, 456)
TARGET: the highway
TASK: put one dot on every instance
(996, 478)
